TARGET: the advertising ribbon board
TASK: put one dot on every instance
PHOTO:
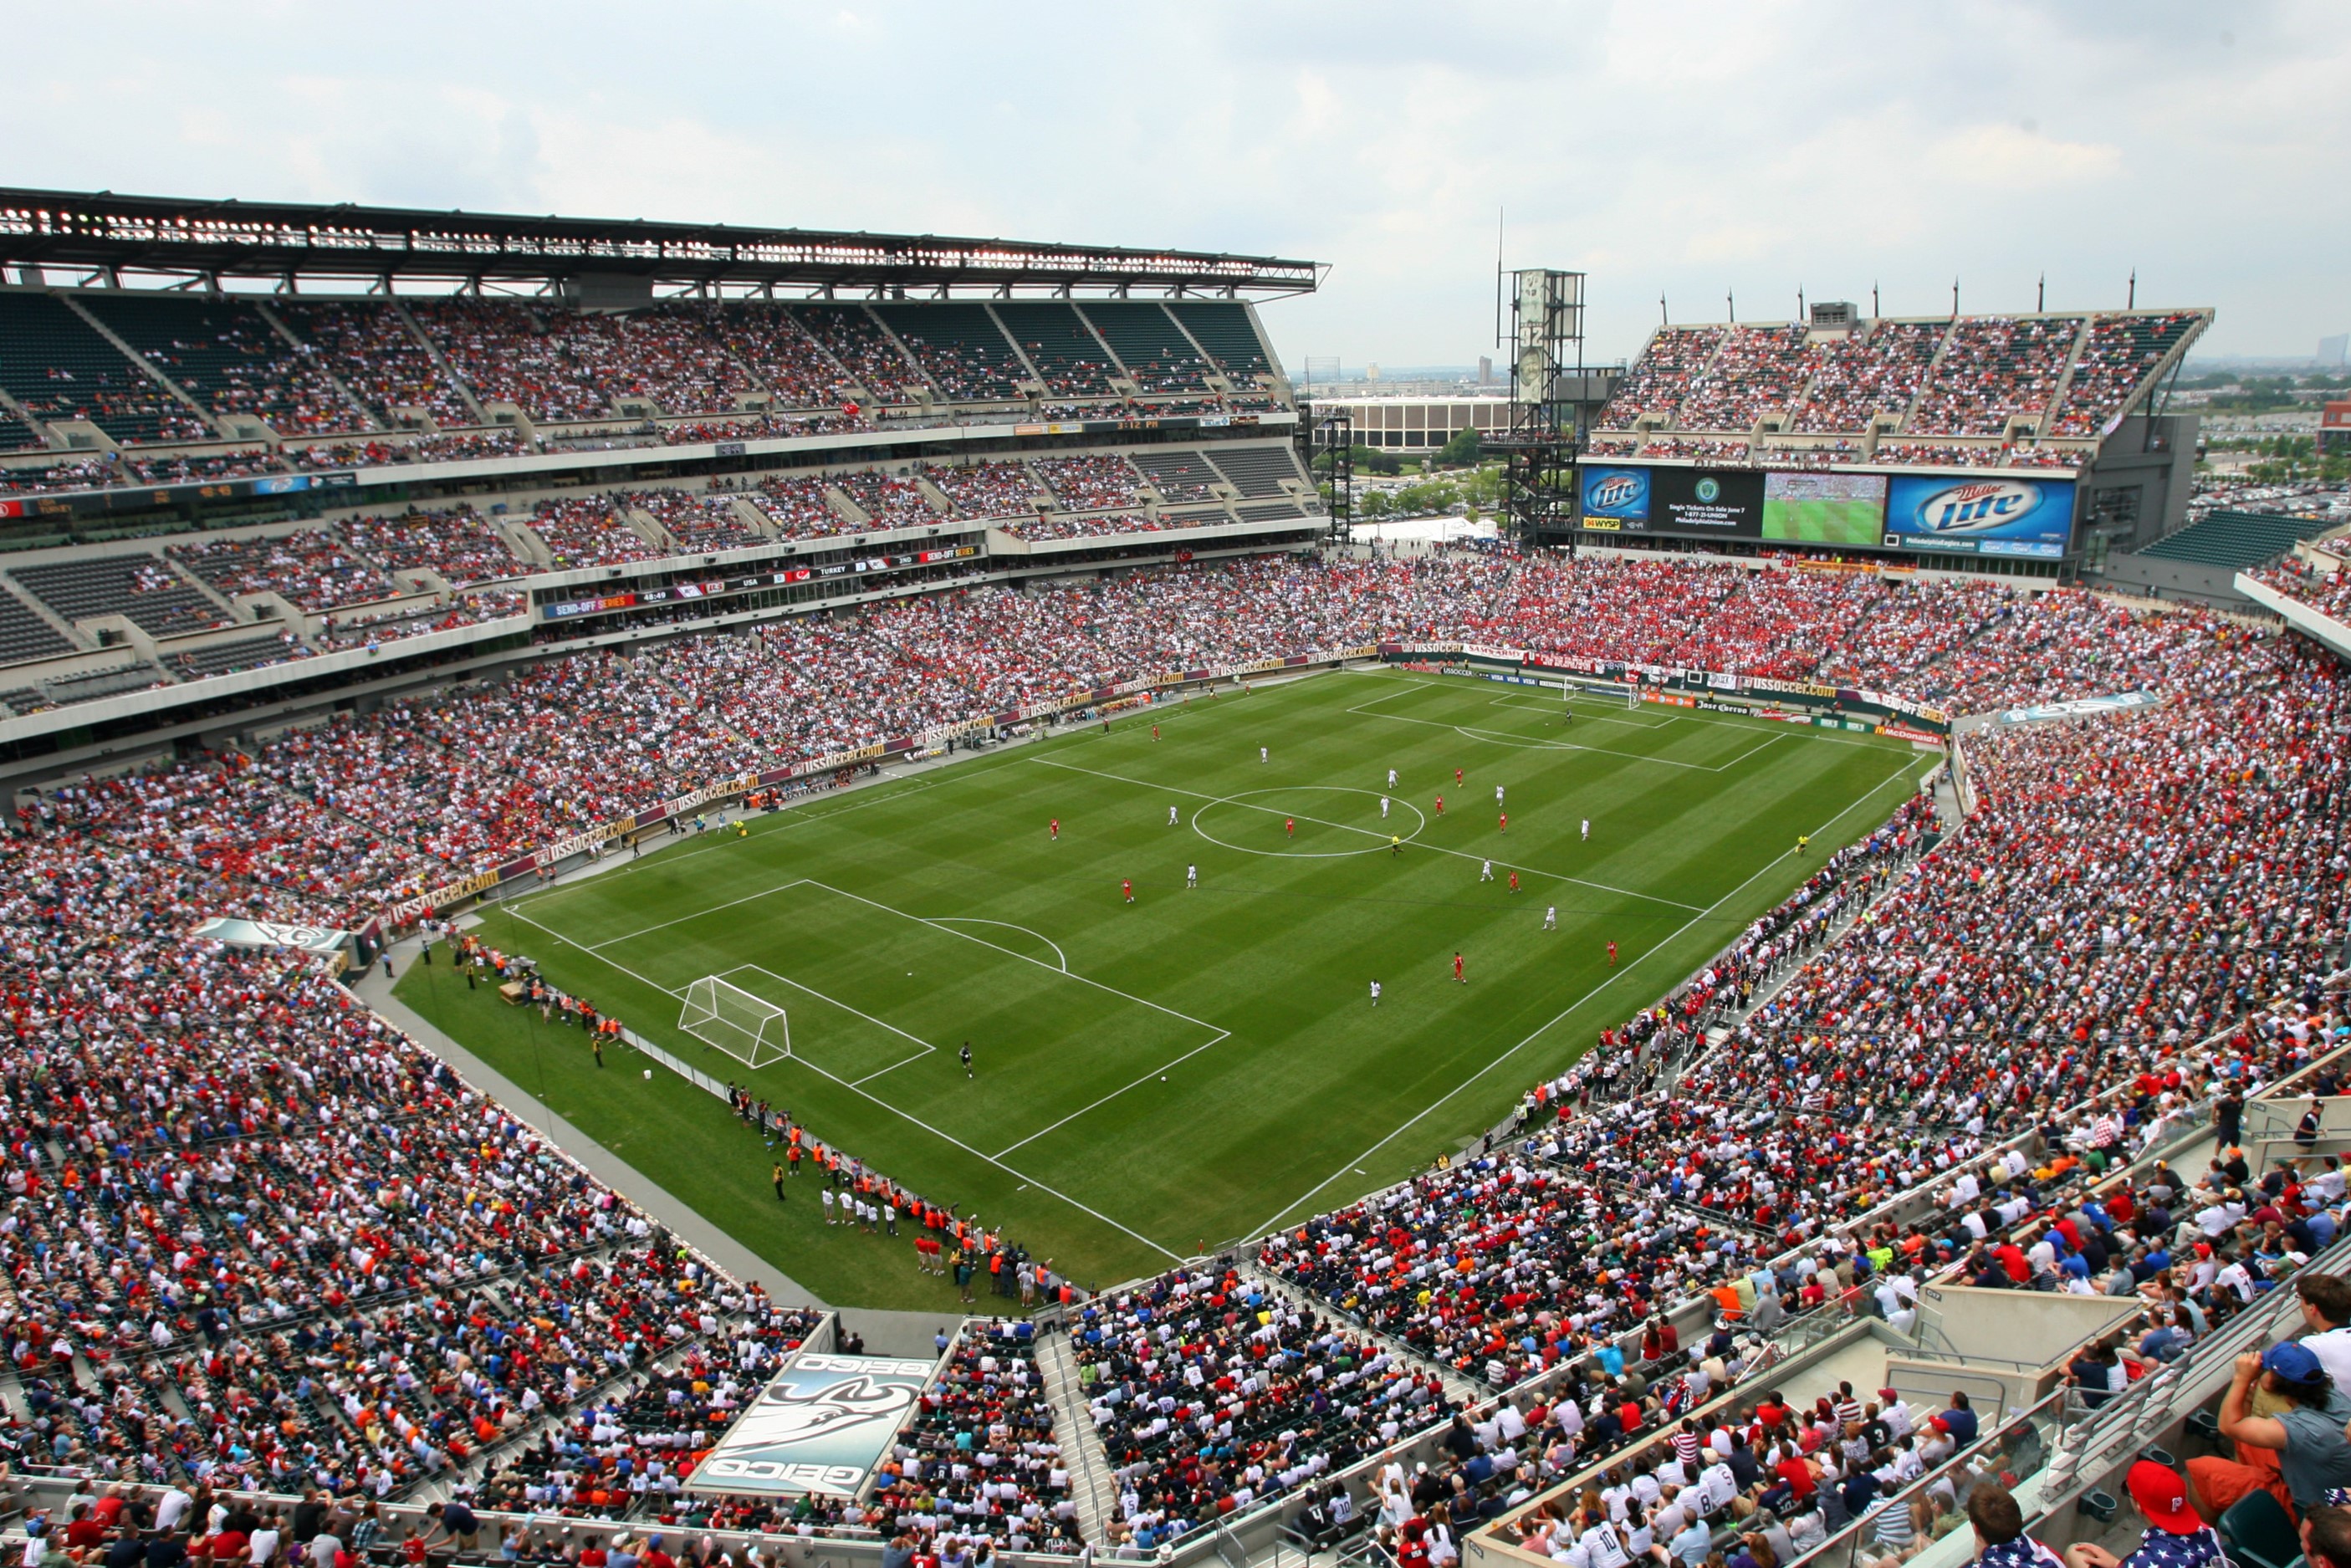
(821, 1427)
(238, 933)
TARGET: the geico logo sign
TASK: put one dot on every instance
(1978, 505)
(833, 1477)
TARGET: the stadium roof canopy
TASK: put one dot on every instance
(202, 241)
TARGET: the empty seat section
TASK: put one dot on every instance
(1226, 332)
(227, 658)
(1257, 470)
(59, 367)
(108, 683)
(224, 354)
(155, 599)
(1269, 512)
(2238, 540)
(1156, 354)
(1178, 476)
(1065, 353)
(959, 346)
(25, 635)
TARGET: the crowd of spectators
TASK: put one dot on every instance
(2117, 355)
(1756, 370)
(1871, 374)
(372, 351)
(1993, 369)
(799, 507)
(695, 523)
(1102, 483)
(891, 500)
(1061, 525)
(1662, 377)
(459, 545)
(2328, 592)
(313, 569)
(588, 531)
(987, 489)
(253, 1234)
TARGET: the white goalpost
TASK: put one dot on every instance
(752, 1030)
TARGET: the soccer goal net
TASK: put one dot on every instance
(752, 1030)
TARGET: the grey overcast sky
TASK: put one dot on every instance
(1683, 149)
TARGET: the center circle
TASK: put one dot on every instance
(1241, 799)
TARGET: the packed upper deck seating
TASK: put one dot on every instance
(697, 523)
(799, 507)
(1097, 484)
(1661, 378)
(852, 336)
(1993, 369)
(780, 350)
(368, 348)
(1757, 370)
(1875, 372)
(891, 500)
(559, 365)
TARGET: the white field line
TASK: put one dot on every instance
(894, 1111)
(1349, 827)
(1006, 924)
(713, 909)
(1545, 1027)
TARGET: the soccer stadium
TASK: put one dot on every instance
(778, 897)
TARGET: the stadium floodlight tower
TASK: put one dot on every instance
(1545, 340)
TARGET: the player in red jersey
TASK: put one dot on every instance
(1056, 829)
(1506, 822)
(1127, 888)
(1514, 882)
(1440, 805)
(1456, 779)
(1612, 955)
(1289, 826)
(1457, 968)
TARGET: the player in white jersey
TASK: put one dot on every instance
(1375, 993)
(1551, 918)
(1171, 816)
(1485, 872)
(1391, 777)
(1260, 753)
(1383, 808)
(1497, 794)
(1191, 876)
(1587, 829)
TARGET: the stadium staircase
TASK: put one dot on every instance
(2065, 386)
(1925, 379)
(1093, 1487)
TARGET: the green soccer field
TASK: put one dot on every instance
(1191, 1068)
(1824, 522)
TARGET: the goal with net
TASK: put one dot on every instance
(752, 1030)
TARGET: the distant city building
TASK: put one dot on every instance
(2331, 351)
(1418, 423)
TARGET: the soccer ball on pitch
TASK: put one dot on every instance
(649, 1072)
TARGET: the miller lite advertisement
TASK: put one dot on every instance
(1980, 516)
(1619, 496)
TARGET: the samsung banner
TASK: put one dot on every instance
(821, 1427)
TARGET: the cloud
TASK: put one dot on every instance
(1663, 146)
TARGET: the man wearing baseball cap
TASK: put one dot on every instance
(2176, 1537)
(2296, 1454)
